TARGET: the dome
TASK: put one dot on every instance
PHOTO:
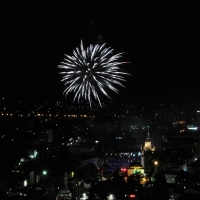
(135, 164)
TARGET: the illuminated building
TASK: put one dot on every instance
(147, 145)
(147, 150)
(135, 168)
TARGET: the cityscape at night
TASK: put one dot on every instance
(99, 100)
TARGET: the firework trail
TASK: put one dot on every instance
(91, 71)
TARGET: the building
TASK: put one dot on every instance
(148, 145)
(170, 166)
(95, 160)
(147, 150)
(48, 136)
(134, 168)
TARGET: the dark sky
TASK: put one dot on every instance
(159, 38)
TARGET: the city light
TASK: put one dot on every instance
(93, 141)
(132, 196)
(191, 127)
(111, 197)
(123, 169)
(25, 183)
(44, 172)
(155, 162)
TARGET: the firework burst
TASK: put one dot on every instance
(91, 71)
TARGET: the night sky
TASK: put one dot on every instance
(160, 39)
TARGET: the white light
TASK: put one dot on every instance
(44, 172)
(96, 141)
(35, 153)
(111, 197)
(25, 183)
(192, 128)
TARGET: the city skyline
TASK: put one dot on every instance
(159, 41)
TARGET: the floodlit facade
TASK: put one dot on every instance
(135, 168)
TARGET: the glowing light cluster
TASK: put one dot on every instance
(91, 71)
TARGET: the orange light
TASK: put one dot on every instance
(132, 196)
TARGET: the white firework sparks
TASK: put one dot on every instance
(90, 71)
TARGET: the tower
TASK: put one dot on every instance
(142, 158)
(148, 145)
(147, 150)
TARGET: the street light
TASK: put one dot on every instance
(44, 172)
(155, 162)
